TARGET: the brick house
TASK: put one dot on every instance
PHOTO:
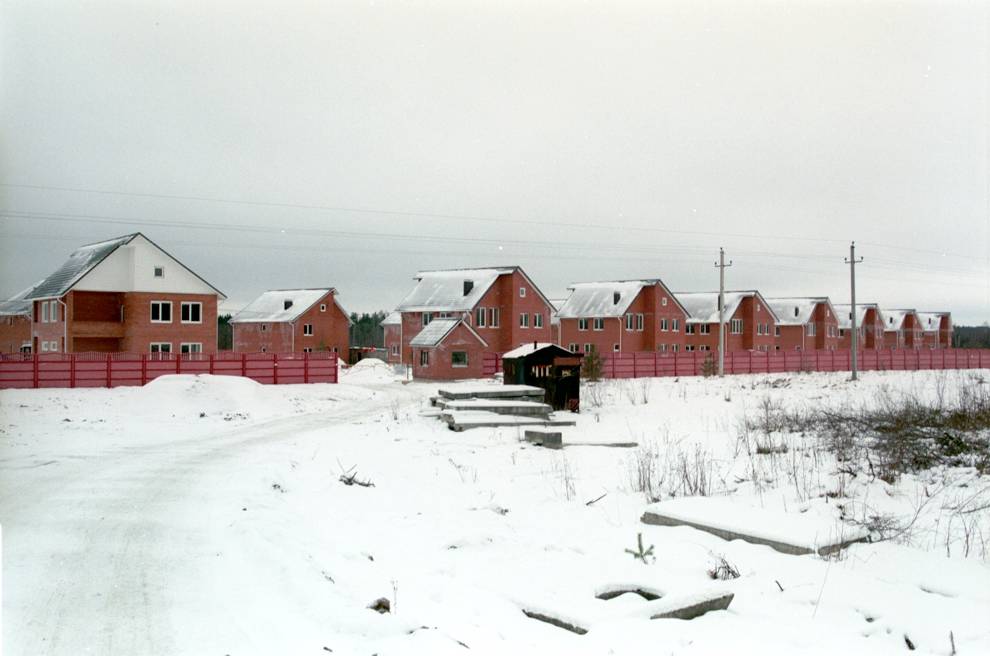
(15, 323)
(391, 327)
(124, 294)
(805, 324)
(749, 320)
(869, 325)
(902, 329)
(625, 316)
(936, 328)
(292, 320)
(475, 311)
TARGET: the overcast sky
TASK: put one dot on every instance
(593, 141)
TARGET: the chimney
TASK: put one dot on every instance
(468, 286)
(286, 304)
(615, 298)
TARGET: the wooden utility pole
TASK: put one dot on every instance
(721, 265)
(852, 262)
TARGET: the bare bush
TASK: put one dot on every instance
(722, 569)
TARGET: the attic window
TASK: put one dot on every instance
(468, 286)
(795, 311)
(159, 272)
(286, 304)
(615, 298)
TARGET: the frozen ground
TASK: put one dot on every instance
(205, 515)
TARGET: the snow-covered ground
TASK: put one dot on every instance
(205, 515)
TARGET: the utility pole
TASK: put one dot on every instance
(852, 262)
(721, 265)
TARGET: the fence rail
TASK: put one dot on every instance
(642, 365)
(118, 369)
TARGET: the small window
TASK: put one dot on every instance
(572, 347)
(264, 349)
(675, 325)
(479, 317)
(44, 312)
(427, 318)
(588, 348)
(161, 347)
(674, 347)
(424, 358)
(286, 304)
(395, 349)
(689, 347)
(662, 348)
(494, 317)
(53, 311)
(161, 312)
(706, 329)
(522, 292)
(629, 321)
(458, 359)
(44, 347)
(615, 347)
(191, 312)
(308, 329)
(190, 347)
(582, 324)
(663, 325)
(811, 330)
(307, 349)
(160, 272)
(736, 327)
(537, 319)
(599, 323)
(264, 327)
(776, 331)
(524, 320)
(689, 329)
(639, 322)
(323, 307)
(663, 301)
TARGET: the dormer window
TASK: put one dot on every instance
(286, 304)
(159, 272)
(615, 298)
(468, 286)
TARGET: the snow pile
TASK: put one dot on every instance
(368, 371)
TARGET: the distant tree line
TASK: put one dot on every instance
(366, 329)
(971, 336)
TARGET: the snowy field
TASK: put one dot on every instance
(205, 515)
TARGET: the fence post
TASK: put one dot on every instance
(243, 365)
(275, 368)
(305, 367)
(72, 370)
(178, 363)
(144, 369)
(35, 373)
(107, 356)
(211, 364)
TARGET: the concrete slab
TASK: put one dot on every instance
(789, 533)
(690, 607)
(550, 439)
(499, 406)
(459, 420)
(463, 392)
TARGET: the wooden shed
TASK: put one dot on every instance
(549, 366)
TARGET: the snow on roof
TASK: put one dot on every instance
(18, 304)
(434, 332)
(526, 349)
(894, 319)
(444, 291)
(80, 262)
(600, 299)
(270, 307)
(393, 319)
(843, 313)
(795, 311)
(931, 321)
(702, 307)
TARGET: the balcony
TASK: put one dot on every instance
(97, 329)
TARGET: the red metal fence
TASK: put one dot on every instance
(642, 365)
(491, 363)
(116, 369)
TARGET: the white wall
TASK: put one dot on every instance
(131, 268)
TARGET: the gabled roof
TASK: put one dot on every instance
(606, 299)
(843, 311)
(443, 291)
(526, 349)
(393, 319)
(702, 307)
(19, 304)
(932, 321)
(797, 311)
(86, 258)
(270, 306)
(894, 319)
(437, 330)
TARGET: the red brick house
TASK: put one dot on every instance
(750, 323)
(474, 311)
(869, 324)
(124, 294)
(936, 328)
(15, 324)
(292, 321)
(624, 316)
(902, 329)
(805, 324)
(391, 327)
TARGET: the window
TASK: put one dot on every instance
(44, 347)
(703, 348)
(323, 307)
(308, 329)
(588, 348)
(776, 331)
(479, 317)
(161, 347)
(615, 347)
(572, 347)
(458, 359)
(307, 349)
(811, 330)
(191, 312)
(522, 292)
(663, 325)
(674, 347)
(395, 349)
(599, 323)
(662, 348)
(427, 318)
(524, 320)
(663, 301)
(736, 326)
(160, 272)
(582, 324)
(494, 317)
(44, 312)
(842, 332)
(537, 320)
(264, 327)
(161, 312)
(688, 348)
(639, 322)
(190, 347)
(689, 329)
(264, 349)
(424, 358)
(629, 322)
(53, 311)
(706, 329)
(53, 346)
(675, 325)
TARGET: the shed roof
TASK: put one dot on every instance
(796, 311)
(443, 291)
(270, 306)
(702, 307)
(526, 349)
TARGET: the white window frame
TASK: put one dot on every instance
(427, 318)
(44, 347)
(523, 320)
(629, 321)
(494, 317)
(588, 347)
(736, 327)
(53, 311)
(307, 349)
(190, 347)
(44, 311)
(537, 320)
(812, 329)
(706, 329)
(675, 325)
(156, 269)
(152, 345)
(663, 301)
(454, 365)
(184, 304)
(689, 329)
(598, 324)
(424, 358)
(663, 325)
(662, 348)
(323, 307)
(640, 321)
(572, 347)
(479, 317)
(307, 330)
(582, 324)
(522, 292)
(674, 347)
(160, 304)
